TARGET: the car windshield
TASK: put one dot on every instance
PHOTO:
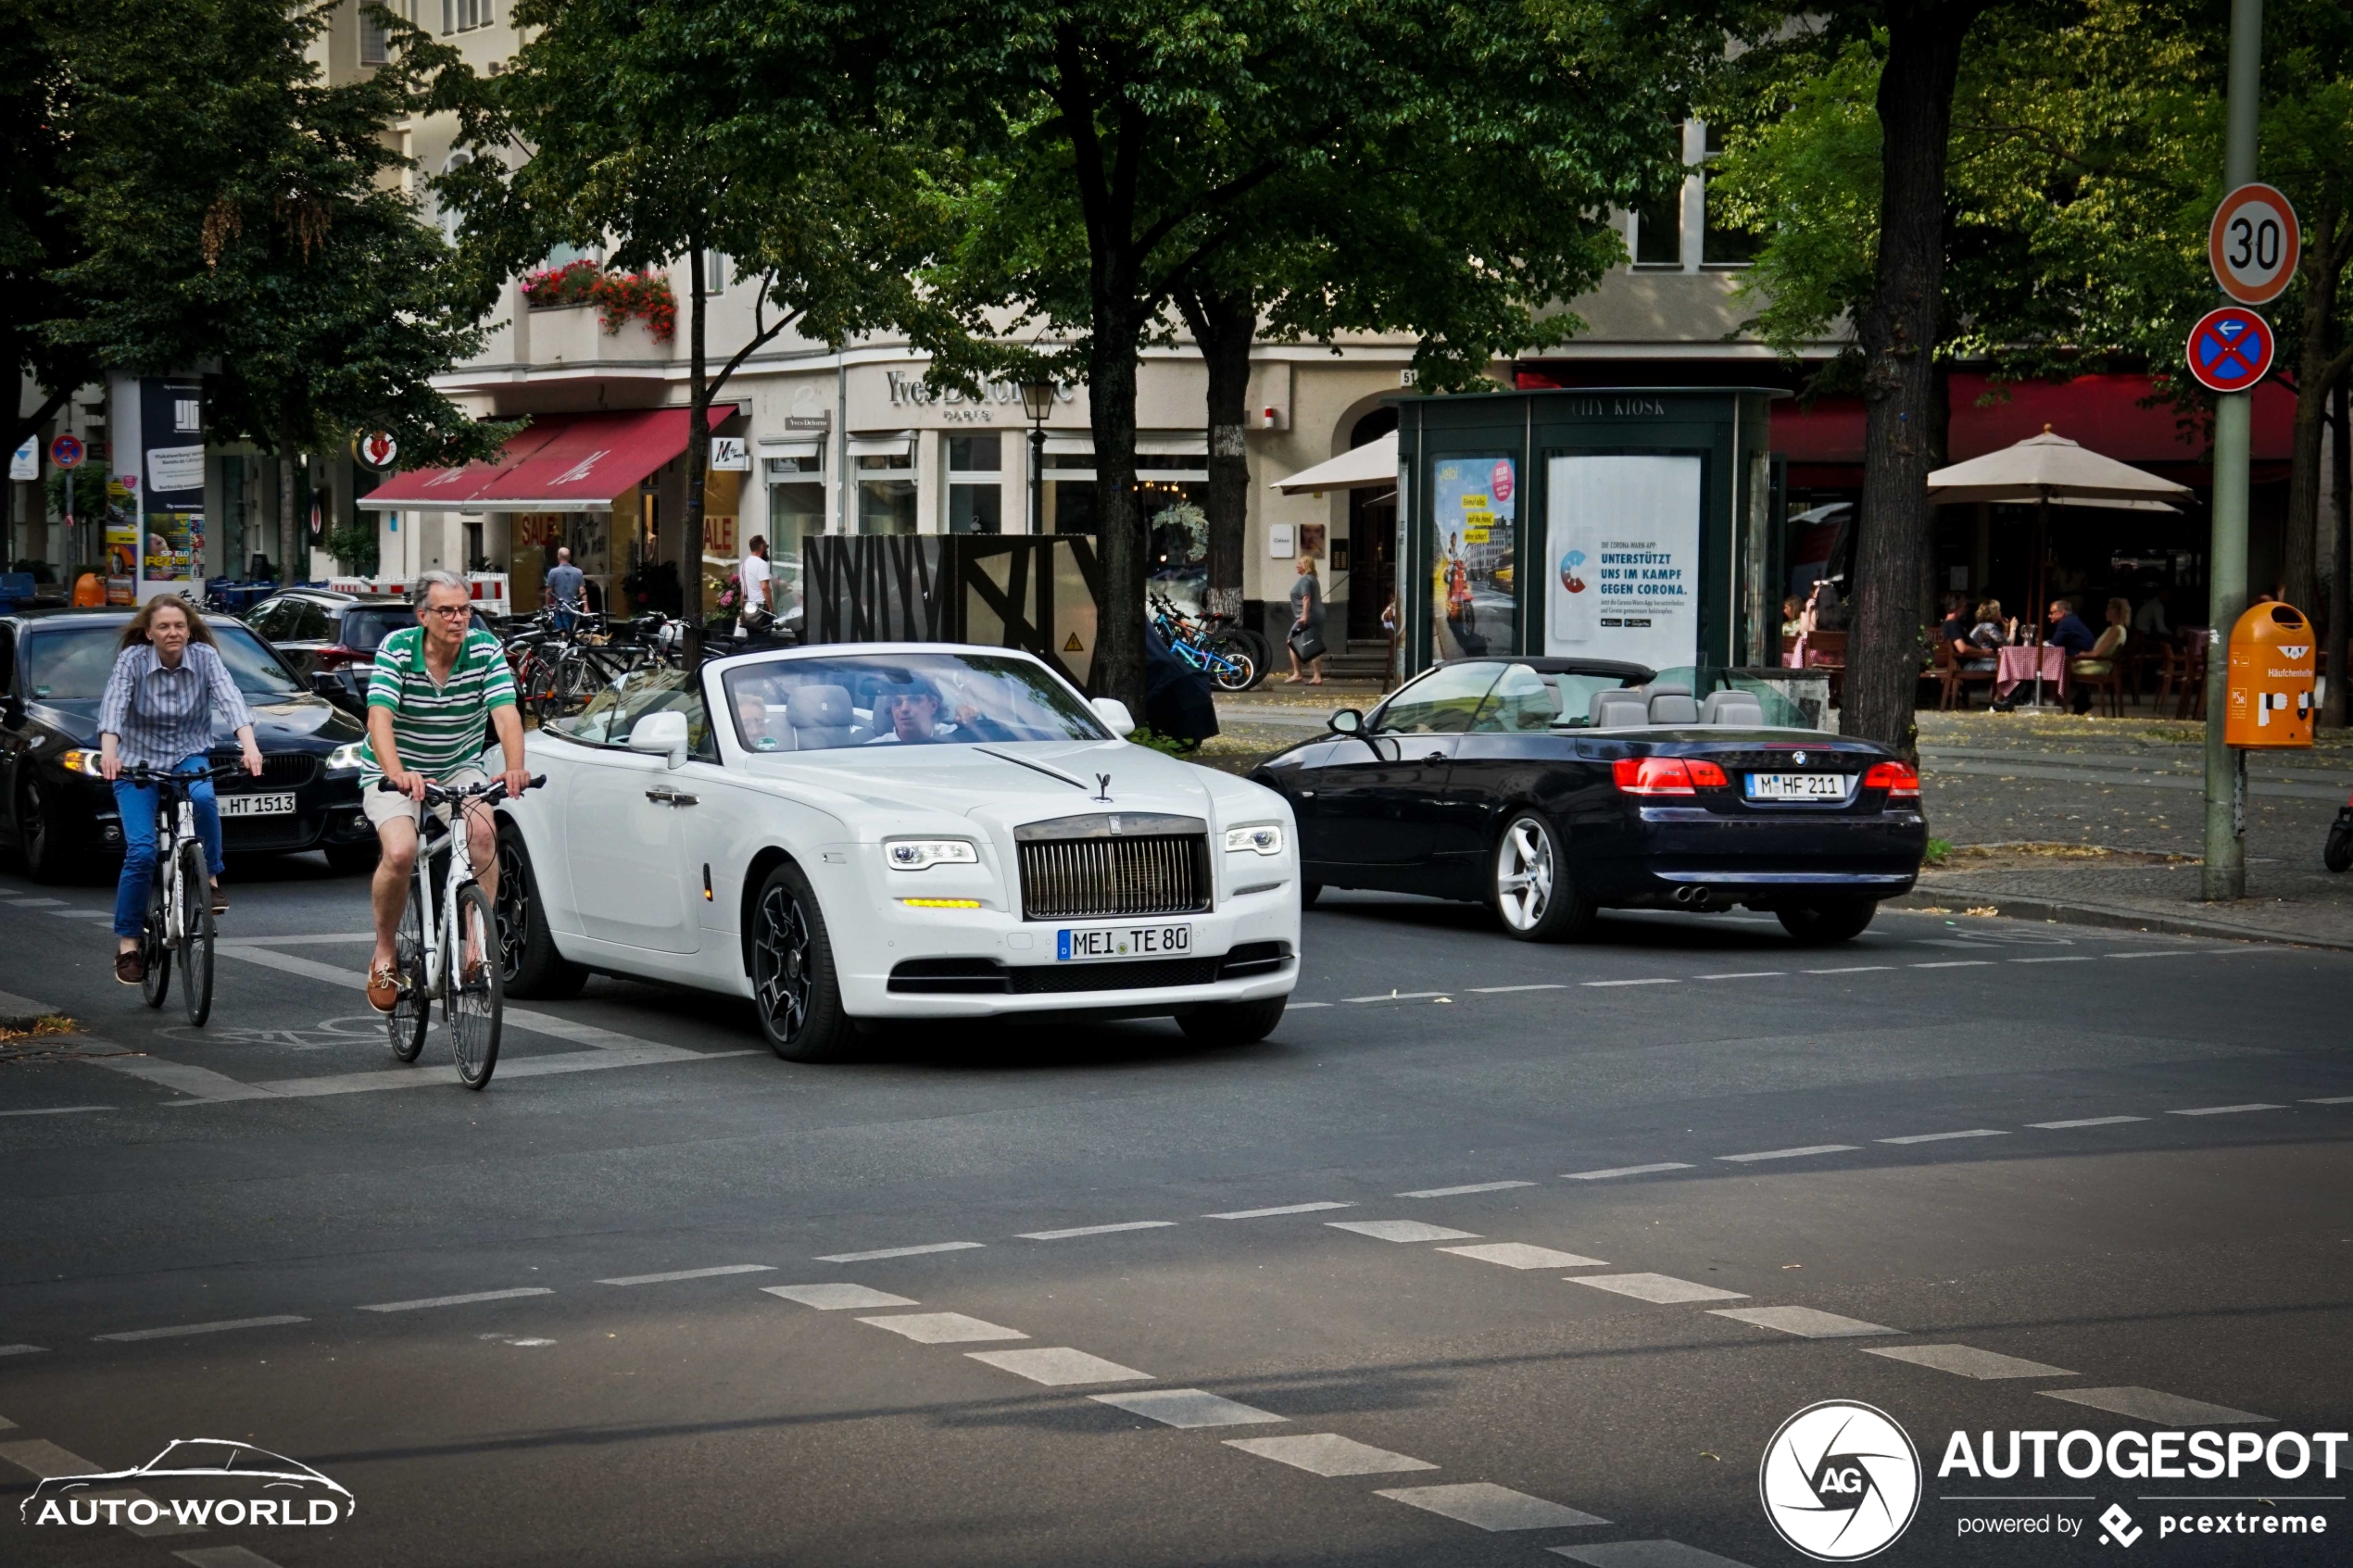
(364, 628)
(71, 663)
(902, 699)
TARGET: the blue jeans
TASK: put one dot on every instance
(136, 805)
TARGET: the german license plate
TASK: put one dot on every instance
(256, 805)
(1799, 786)
(1123, 942)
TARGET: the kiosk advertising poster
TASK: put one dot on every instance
(1477, 500)
(122, 539)
(1622, 554)
(171, 431)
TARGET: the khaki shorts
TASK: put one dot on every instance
(382, 806)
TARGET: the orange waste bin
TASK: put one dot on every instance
(2273, 660)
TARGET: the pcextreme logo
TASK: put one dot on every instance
(1840, 1481)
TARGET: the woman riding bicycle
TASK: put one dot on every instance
(169, 684)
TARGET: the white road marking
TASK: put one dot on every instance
(693, 1274)
(59, 1109)
(944, 1328)
(1185, 1408)
(2087, 1122)
(900, 1252)
(1804, 1322)
(1954, 963)
(2170, 953)
(1401, 1230)
(835, 1297)
(1745, 974)
(1622, 1170)
(297, 941)
(1520, 1255)
(1097, 1230)
(1465, 1192)
(1664, 1289)
(38, 903)
(224, 1557)
(1269, 1214)
(1303, 1007)
(1396, 997)
(2063, 957)
(1967, 1361)
(1059, 1366)
(2332, 1099)
(2224, 1110)
(208, 1086)
(38, 1456)
(459, 1300)
(106, 915)
(1596, 984)
(1499, 990)
(511, 1066)
(1790, 1153)
(1327, 1453)
(181, 1330)
(1489, 1507)
(2152, 1405)
(1644, 1554)
(1854, 969)
(23, 1349)
(1940, 1137)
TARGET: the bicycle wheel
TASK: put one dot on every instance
(413, 1010)
(195, 934)
(473, 993)
(1231, 665)
(576, 681)
(152, 945)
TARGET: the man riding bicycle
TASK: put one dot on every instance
(432, 687)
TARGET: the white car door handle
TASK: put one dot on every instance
(668, 796)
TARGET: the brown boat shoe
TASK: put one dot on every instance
(384, 988)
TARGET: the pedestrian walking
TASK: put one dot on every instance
(167, 686)
(1306, 640)
(563, 588)
(755, 574)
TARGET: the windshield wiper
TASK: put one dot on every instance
(1034, 767)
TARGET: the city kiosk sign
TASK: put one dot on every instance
(1608, 523)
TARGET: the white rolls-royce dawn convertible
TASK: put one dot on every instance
(896, 831)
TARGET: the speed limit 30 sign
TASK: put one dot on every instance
(2254, 244)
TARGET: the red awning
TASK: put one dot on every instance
(2102, 413)
(561, 463)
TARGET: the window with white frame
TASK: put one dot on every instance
(464, 16)
(975, 484)
(1719, 245)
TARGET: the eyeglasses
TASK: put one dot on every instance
(450, 612)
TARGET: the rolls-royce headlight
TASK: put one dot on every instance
(917, 854)
(1258, 839)
(346, 758)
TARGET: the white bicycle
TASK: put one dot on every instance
(456, 953)
(179, 895)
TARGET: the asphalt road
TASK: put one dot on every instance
(567, 1320)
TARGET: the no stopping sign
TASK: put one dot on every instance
(2230, 349)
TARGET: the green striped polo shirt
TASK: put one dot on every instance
(436, 729)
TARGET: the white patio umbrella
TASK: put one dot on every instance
(1362, 468)
(2046, 468)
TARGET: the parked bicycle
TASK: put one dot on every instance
(2338, 853)
(1226, 656)
(447, 944)
(179, 921)
(558, 667)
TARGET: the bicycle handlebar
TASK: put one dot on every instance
(441, 794)
(140, 773)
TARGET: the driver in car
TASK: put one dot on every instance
(911, 712)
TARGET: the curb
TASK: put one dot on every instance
(2112, 917)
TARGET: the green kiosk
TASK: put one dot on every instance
(1638, 524)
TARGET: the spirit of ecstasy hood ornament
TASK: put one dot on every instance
(1102, 786)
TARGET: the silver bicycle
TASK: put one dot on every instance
(179, 895)
(455, 953)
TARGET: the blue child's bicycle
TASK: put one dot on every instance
(1231, 658)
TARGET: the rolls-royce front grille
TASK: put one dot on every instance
(1098, 878)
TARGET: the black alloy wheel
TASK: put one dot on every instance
(527, 955)
(1827, 921)
(38, 835)
(794, 987)
(2339, 853)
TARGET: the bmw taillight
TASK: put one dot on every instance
(1899, 779)
(1665, 775)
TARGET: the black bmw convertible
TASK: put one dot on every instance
(1553, 788)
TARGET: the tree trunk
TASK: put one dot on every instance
(1225, 325)
(698, 445)
(1110, 395)
(2301, 550)
(289, 525)
(1899, 330)
(2337, 709)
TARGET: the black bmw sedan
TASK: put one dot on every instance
(1553, 788)
(59, 815)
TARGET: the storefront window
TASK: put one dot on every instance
(886, 493)
(1070, 493)
(975, 484)
(1471, 590)
(795, 512)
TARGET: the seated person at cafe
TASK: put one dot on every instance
(2067, 629)
(1991, 630)
(1792, 616)
(2149, 620)
(1824, 611)
(2101, 661)
(1955, 635)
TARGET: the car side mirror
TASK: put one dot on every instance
(1348, 721)
(663, 734)
(1114, 712)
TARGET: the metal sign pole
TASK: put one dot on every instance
(2224, 873)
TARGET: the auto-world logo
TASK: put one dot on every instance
(2117, 1527)
(194, 1482)
(1840, 1481)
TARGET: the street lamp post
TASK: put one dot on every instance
(1037, 402)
